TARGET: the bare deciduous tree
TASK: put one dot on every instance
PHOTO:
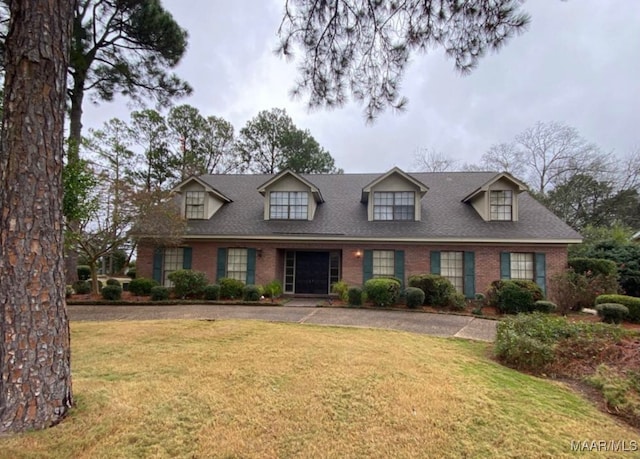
(433, 161)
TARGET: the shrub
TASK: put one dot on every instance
(438, 290)
(513, 298)
(230, 289)
(81, 287)
(595, 266)
(382, 291)
(68, 291)
(250, 293)
(341, 288)
(188, 283)
(273, 289)
(114, 282)
(141, 286)
(131, 273)
(159, 293)
(612, 313)
(112, 292)
(84, 272)
(545, 307)
(457, 302)
(354, 296)
(632, 304)
(415, 297)
(574, 292)
(211, 292)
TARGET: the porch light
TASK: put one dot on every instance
(358, 254)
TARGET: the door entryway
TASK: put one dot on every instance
(312, 273)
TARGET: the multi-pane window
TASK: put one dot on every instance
(383, 263)
(452, 267)
(288, 205)
(501, 205)
(396, 205)
(237, 264)
(522, 266)
(194, 204)
(172, 261)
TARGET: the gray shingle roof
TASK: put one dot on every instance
(342, 215)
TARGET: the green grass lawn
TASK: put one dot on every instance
(253, 389)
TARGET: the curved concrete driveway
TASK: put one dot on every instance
(415, 322)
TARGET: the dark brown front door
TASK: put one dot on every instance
(312, 273)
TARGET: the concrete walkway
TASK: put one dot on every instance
(416, 322)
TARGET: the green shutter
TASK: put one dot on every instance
(186, 257)
(505, 265)
(157, 265)
(251, 266)
(435, 262)
(398, 267)
(469, 274)
(222, 263)
(541, 271)
(367, 265)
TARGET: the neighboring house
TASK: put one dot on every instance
(309, 231)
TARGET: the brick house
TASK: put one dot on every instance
(309, 231)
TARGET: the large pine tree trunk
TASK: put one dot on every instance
(35, 388)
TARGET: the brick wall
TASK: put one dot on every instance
(270, 258)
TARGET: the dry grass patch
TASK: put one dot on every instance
(252, 389)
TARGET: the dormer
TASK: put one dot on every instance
(289, 196)
(394, 196)
(200, 201)
(497, 199)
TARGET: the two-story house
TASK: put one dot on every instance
(309, 231)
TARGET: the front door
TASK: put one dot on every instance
(312, 273)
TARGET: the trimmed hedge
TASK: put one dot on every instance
(159, 293)
(84, 272)
(188, 283)
(594, 266)
(544, 306)
(81, 287)
(612, 313)
(382, 291)
(211, 292)
(515, 296)
(251, 293)
(111, 292)
(631, 302)
(415, 297)
(111, 281)
(230, 289)
(354, 296)
(438, 290)
(141, 286)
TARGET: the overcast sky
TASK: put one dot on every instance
(578, 63)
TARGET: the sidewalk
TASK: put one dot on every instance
(444, 325)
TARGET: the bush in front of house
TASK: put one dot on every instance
(188, 283)
(612, 313)
(141, 286)
(631, 302)
(131, 272)
(354, 296)
(414, 297)
(273, 289)
(595, 266)
(84, 272)
(341, 288)
(438, 290)
(544, 306)
(111, 292)
(111, 281)
(382, 291)
(457, 302)
(513, 298)
(81, 287)
(574, 291)
(211, 292)
(159, 293)
(230, 289)
(251, 293)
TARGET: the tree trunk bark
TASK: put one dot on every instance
(35, 384)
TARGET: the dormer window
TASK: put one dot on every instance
(501, 205)
(194, 205)
(289, 205)
(394, 205)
